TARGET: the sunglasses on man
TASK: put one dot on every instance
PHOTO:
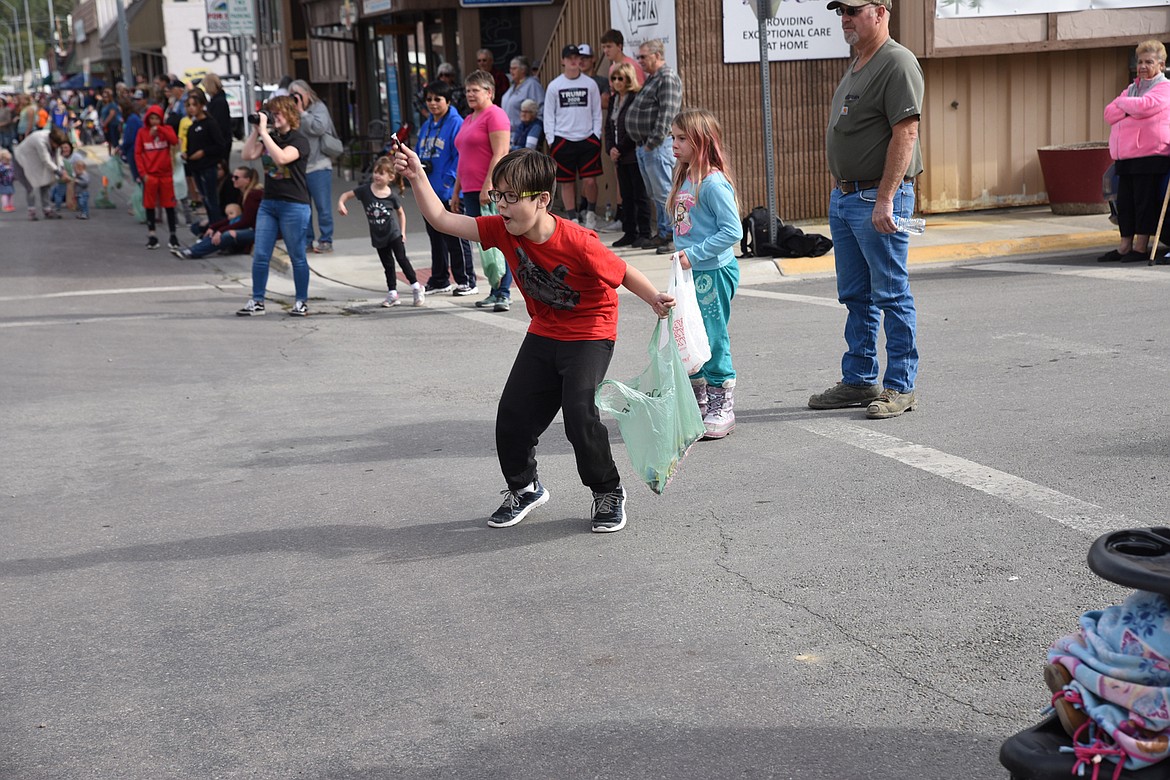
(847, 10)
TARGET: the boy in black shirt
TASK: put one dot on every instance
(387, 221)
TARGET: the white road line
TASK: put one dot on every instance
(1072, 512)
(118, 291)
(1111, 273)
(482, 316)
(84, 321)
(815, 300)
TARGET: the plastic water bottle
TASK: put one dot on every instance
(915, 226)
(608, 213)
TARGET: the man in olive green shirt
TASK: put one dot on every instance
(873, 154)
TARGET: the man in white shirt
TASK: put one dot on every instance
(572, 126)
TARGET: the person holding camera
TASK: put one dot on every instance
(315, 123)
(283, 150)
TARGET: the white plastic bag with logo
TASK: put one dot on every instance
(690, 334)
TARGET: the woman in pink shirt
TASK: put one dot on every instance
(482, 141)
(1139, 140)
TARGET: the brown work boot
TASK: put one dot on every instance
(891, 403)
(842, 395)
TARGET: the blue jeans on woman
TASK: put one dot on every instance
(872, 281)
(285, 218)
(207, 182)
(471, 208)
(321, 192)
(203, 247)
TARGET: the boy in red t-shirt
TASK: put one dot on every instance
(569, 280)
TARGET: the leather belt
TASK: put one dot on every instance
(849, 187)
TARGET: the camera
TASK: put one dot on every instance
(427, 166)
(255, 118)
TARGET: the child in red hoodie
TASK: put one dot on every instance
(152, 154)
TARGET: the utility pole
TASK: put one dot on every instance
(123, 44)
(16, 42)
(32, 58)
(52, 40)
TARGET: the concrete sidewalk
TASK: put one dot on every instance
(958, 237)
(948, 238)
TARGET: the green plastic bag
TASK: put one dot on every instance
(492, 260)
(136, 204)
(656, 412)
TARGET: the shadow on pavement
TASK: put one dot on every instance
(402, 544)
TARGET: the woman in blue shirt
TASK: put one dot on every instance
(450, 256)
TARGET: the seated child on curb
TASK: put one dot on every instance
(569, 280)
(7, 177)
(387, 220)
(81, 189)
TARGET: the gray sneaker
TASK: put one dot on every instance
(891, 403)
(842, 395)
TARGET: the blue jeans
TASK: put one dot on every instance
(450, 256)
(657, 166)
(58, 195)
(208, 186)
(321, 193)
(83, 202)
(872, 281)
(471, 209)
(203, 247)
(285, 218)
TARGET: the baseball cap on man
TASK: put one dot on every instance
(176, 84)
(585, 50)
(887, 4)
(570, 51)
(139, 95)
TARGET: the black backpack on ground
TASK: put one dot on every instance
(790, 241)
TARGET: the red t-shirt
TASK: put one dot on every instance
(569, 282)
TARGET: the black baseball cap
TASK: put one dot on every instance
(570, 51)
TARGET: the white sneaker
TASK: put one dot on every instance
(391, 299)
(590, 220)
(420, 296)
(612, 227)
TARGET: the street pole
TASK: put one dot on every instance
(32, 58)
(52, 40)
(764, 12)
(124, 44)
(16, 32)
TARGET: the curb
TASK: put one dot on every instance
(958, 253)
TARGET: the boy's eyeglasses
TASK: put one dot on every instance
(495, 196)
(843, 10)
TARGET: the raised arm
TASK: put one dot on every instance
(406, 162)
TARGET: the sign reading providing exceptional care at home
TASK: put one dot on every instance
(950, 9)
(797, 31)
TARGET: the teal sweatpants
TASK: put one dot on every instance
(715, 289)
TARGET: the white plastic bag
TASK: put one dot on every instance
(687, 324)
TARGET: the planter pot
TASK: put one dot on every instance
(1072, 176)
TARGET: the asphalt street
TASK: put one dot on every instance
(256, 548)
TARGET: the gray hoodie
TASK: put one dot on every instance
(315, 122)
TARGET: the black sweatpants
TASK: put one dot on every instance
(548, 376)
(387, 254)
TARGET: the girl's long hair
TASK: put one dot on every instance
(705, 135)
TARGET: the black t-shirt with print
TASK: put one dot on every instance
(382, 214)
(287, 182)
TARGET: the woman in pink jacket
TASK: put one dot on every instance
(1139, 140)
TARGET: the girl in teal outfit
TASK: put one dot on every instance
(706, 227)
